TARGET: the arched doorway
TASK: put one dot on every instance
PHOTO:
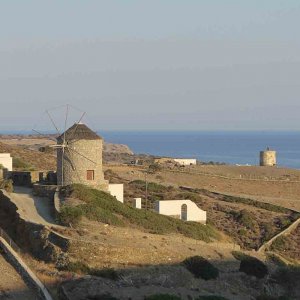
(184, 212)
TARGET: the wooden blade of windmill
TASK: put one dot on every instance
(52, 121)
(62, 165)
(44, 135)
(65, 127)
(78, 153)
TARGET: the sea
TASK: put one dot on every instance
(240, 148)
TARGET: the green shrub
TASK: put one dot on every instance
(239, 255)
(258, 204)
(70, 215)
(103, 297)
(253, 267)
(212, 297)
(245, 218)
(154, 168)
(19, 164)
(288, 277)
(267, 297)
(188, 195)
(269, 231)
(77, 267)
(162, 297)
(280, 244)
(105, 273)
(82, 268)
(1, 167)
(152, 186)
(7, 185)
(201, 268)
(276, 260)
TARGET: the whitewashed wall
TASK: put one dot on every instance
(174, 208)
(117, 190)
(186, 161)
(6, 161)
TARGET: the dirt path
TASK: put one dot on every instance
(12, 286)
(32, 208)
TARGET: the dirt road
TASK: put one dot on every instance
(32, 208)
(12, 286)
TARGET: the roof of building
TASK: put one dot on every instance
(79, 131)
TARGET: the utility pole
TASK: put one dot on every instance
(146, 187)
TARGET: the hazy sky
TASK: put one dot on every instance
(168, 64)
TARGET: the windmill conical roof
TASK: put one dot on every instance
(79, 131)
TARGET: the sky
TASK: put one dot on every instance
(151, 65)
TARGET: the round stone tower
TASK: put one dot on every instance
(79, 157)
(268, 158)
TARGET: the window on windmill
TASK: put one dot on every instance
(90, 174)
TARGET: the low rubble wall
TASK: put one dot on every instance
(43, 190)
(24, 270)
(42, 242)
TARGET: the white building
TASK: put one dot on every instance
(6, 161)
(117, 190)
(185, 210)
(137, 203)
(186, 161)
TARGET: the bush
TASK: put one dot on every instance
(152, 186)
(70, 215)
(276, 260)
(212, 297)
(103, 297)
(201, 268)
(77, 267)
(253, 267)
(245, 218)
(258, 204)
(7, 185)
(267, 297)
(288, 277)
(105, 273)
(239, 255)
(19, 164)
(280, 244)
(162, 297)
(154, 168)
(82, 268)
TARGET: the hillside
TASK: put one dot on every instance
(30, 158)
(26, 149)
(99, 206)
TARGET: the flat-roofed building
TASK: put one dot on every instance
(6, 161)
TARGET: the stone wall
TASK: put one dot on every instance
(44, 190)
(24, 270)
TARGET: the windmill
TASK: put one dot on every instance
(79, 153)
